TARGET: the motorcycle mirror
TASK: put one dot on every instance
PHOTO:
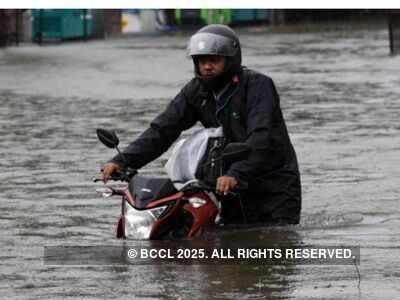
(236, 151)
(108, 138)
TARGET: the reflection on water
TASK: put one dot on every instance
(339, 93)
(232, 280)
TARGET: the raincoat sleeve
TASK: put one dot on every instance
(261, 103)
(163, 131)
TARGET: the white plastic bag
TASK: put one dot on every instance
(187, 154)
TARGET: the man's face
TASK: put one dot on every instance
(211, 65)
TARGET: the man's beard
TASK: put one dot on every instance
(216, 82)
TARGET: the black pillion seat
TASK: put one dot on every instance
(144, 189)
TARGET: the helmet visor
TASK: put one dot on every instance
(205, 43)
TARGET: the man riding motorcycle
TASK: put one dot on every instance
(247, 106)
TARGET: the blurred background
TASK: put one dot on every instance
(49, 25)
(117, 69)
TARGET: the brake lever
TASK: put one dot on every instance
(124, 175)
(111, 178)
(119, 177)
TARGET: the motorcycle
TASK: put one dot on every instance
(153, 208)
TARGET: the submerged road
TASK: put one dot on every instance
(340, 95)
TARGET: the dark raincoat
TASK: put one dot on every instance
(249, 111)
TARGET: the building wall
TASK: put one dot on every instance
(10, 26)
(112, 22)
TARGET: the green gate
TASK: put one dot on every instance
(250, 15)
(203, 16)
(61, 24)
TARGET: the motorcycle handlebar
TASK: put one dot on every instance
(211, 188)
(123, 175)
(240, 187)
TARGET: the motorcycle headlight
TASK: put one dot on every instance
(197, 202)
(138, 223)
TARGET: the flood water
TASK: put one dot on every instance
(340, 94)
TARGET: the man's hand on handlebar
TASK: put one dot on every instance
(225, 184)
(108, 170)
